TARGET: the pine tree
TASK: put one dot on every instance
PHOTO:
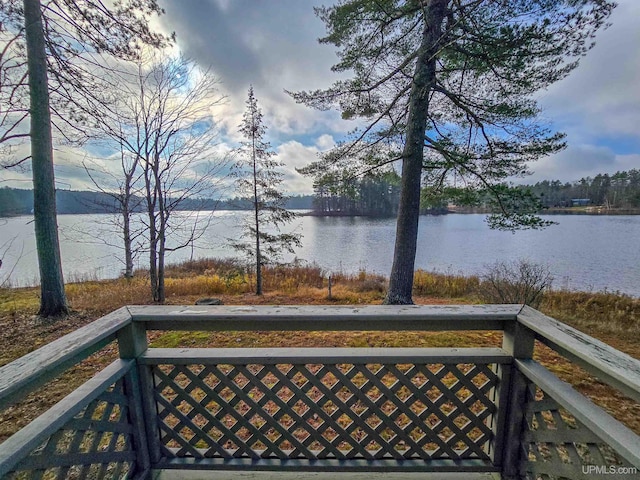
(448, 88)
(262, 240)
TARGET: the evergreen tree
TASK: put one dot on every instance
(448, 87)
(258, 179)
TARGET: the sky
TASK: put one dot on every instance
(272, 45)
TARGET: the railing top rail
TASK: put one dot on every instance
(243, 356)
(36, 368)
(610, 365)
(327, 318)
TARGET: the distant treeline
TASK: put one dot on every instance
(14, 201)
(375, 194)
(620, 190)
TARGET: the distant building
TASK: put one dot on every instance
(580, 202)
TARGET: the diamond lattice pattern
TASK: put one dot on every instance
(95, 444)
(558, 447)
(345, 411)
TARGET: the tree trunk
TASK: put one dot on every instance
(404, 255)
(128, 243)
(53, 301)
(257, 218)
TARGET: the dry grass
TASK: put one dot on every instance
(612, 318)
(602, 312)
(445, 285)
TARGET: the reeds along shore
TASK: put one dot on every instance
(228, 278)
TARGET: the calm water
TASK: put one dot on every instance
(583, 252)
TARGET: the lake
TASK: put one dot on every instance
(591, 253)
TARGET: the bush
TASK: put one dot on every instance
(521, 281)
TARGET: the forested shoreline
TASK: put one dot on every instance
(377, 194)
(15, 202)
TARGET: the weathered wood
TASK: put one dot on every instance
(605, 362)
(327, 318)
(175, 474)
(624, 441)
(500, 397)
(150, 412)
(24, 441)
(136, 394)
(244, 356)
(25, 374)
(329, 465)
(518, 341)
(513, 411)
(132, 340)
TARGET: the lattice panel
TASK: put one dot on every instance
(558, 447)
(95, 444)
(346, 411)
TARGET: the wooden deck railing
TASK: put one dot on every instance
(332, 409)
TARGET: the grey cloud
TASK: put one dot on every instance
(248, 41)
(575, 162)
(602, 95)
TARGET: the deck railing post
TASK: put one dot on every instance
(518, 341)
(132, 342)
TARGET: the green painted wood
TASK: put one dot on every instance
(136, 393)
(605, 362)
(500, 396)
(68, 460)
(25, 374)
(326, 318)
(624, 441)
(132, 340)
(150, 412)
(243, 356)
(329, 465)
(381, 404)
(514, 414)
(18, 446)
(518, 341)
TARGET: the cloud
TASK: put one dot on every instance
(602, 96)
(580, 161)
(272, 46)
(296, 155)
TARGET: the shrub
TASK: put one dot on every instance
(521, 281)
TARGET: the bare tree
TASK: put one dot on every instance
(14, 95)
(164, 126)
(521, 281)
(123, 188)
(64, 40)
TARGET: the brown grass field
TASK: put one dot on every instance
(614, 319)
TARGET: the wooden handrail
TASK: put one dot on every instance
(25, 374)
(326, 318)
(19, 445)
(616, 368)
